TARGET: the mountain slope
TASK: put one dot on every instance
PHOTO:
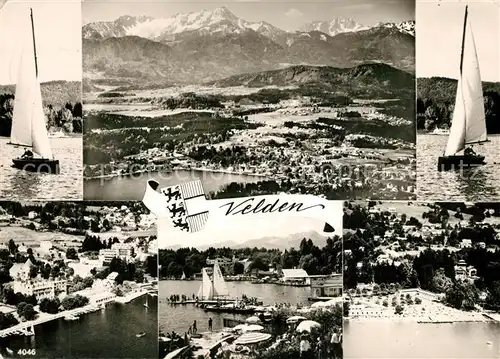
(379, 75)
(55, 93)
(211, 45)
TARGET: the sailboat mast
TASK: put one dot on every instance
(463, 39)
(34, 42)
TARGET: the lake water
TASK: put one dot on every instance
(17, 184)
(178, 318)
(109, 333)
(131, 188)
(474, 185)
(385, 339)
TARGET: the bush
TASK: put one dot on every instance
(50, 306)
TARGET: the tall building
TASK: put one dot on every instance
(40, 288)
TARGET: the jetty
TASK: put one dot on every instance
(27, 328)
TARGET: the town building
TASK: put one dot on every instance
(326, 285)
(40, 288)
(294, 276)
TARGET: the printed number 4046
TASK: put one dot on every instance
(26, 352)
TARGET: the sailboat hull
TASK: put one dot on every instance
(37, 165)
(450, 163)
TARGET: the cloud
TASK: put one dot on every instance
(294, 14)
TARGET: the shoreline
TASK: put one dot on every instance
(21, 328)
(417, 320)
(179, 168)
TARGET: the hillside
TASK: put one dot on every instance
(377, 78)
(55, 93)
(436, 99)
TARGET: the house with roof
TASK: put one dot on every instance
(294, 276)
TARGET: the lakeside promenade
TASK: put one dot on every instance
(22, 328)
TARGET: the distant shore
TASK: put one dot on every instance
(43, 317)
(177, 168)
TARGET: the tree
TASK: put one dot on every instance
(25, 310)
(71, 253)
(12, 247)
(493, 299)
(462, 295)
(33, 271)
(50, 305)
(398, 309)
(440, 282)
(238, 268)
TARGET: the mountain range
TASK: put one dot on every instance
(281, 243)
(211, 45)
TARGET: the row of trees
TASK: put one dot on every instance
(68, 117)
(310, 257)
(436, 99)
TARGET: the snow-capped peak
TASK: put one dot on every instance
(335, 26)
(407, 27)
(205, 21)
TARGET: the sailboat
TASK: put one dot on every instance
(146, 303)
(468, 125)
(183, 277)
(212, 288)
(28, 120)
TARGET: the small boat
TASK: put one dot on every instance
(28, 119)
(146, 303)
(10, 351)
(70, 317)
(440, 131)
(468, 125)
(140, 335)
(57, 134)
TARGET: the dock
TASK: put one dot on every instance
(27, 328)
(320, 299)
(207, 302)
(493, 316)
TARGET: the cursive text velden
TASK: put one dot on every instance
(249, 206)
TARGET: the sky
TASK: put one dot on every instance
(439, 28)
(58, 38)
(288, 15)
(240, 231)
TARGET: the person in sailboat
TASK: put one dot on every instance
(469, 152)
(28, 154)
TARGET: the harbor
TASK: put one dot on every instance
(243, 318)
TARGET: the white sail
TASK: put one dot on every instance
(220, 288)
(28, 119)
(206, 288)
(456, 139)
(468, 123)
(23, 102)
(40, 135)
(183, 276)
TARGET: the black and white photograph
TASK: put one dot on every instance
(250, 97)
(257, 289)
(78, 280)
(421, 280)
(40, 101)
(458, 105)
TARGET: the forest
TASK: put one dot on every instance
(436, 99)
(62, 105)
